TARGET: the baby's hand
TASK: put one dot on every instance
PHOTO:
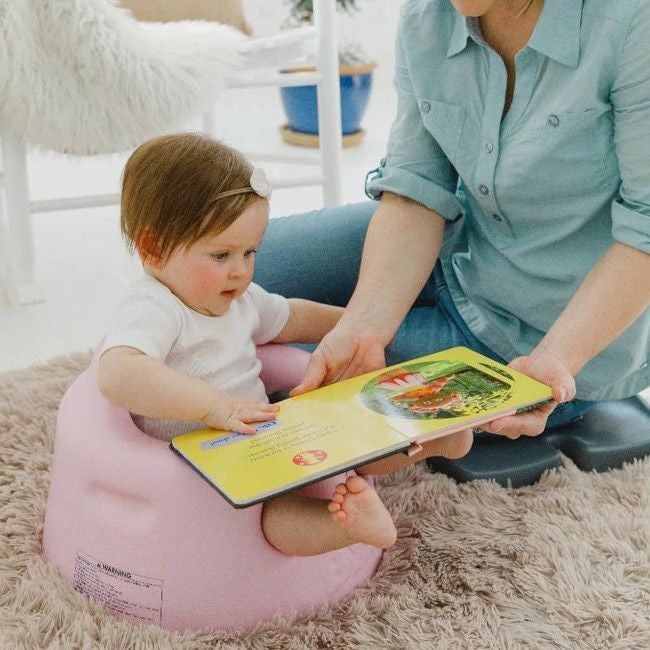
(233, 413)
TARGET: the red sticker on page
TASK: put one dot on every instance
(310, 457)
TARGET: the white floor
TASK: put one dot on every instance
(81, 263)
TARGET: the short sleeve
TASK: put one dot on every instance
(147, 320)
(273, 313)
(415, 166)
(630, 98)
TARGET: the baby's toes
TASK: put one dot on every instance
(337, 497)
(356, 484)
(333, 507)
(341, 489)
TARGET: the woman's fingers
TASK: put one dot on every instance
(366, 359)
(564, 390)
(530, 423)
(338, 357)
(550, 371)
(314, 374)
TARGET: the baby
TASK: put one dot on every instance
(180, 354)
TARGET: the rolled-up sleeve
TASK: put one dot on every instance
(415, 166)
(631, 101)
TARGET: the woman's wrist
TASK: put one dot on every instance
(565, 354)
(367, 327)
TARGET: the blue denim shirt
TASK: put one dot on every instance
(533, 200)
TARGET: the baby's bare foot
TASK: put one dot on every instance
(357, 508)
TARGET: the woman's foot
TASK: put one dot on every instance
(357, 508)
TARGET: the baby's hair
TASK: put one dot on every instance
(170, 189)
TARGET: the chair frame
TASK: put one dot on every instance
(16, 207)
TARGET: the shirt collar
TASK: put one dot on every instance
(557, 33)
(459, 36)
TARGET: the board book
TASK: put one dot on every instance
(347, 424)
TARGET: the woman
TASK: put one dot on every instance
(520, 159)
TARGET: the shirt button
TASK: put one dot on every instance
(425, 106)
(497, 217)
(483, 189)
(489, 147)
(553, 120)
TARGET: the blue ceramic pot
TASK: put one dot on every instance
(300, 101)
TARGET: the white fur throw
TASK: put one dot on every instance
(83, 76)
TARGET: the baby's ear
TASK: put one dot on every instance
(148, 248)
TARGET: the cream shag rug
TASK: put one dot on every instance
(562, 564)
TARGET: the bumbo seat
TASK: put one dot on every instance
(133, 526)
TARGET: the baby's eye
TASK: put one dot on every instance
(222, 255)
(250, 252)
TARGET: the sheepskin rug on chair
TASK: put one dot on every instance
(84, 76)
(561, 564)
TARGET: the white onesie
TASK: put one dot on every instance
(217, 349)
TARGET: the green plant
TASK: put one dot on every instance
(351, 52)
(304, 9)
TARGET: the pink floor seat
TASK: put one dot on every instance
(130, 524)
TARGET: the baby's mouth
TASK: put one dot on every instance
(229, 294)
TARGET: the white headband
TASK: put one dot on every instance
(259, 184)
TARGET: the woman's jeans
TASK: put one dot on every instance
(317, 255)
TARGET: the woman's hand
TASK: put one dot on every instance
(342, 353)
(550, 370)
(234, 413)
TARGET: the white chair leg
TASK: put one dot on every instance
(329, 101)
(17, 242)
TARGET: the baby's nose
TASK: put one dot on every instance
(238, 268)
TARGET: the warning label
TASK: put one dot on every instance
(118, 589)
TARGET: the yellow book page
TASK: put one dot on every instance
(311, 438)
(448, 391)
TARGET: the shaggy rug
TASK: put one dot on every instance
(561, 564)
